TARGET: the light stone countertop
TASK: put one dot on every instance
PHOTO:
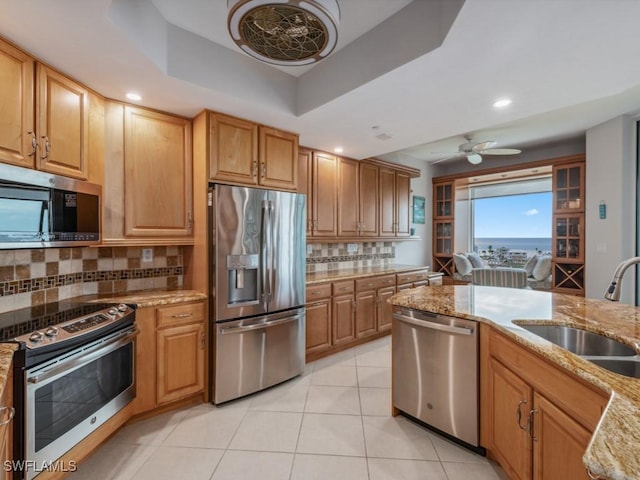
(6, 356)
(614, 450)
(359, 272)
(148, 298)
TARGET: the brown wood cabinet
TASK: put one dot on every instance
(17, 97)
(357, 199)
(538, 419)
(373, 313)
(170, 354)
(149, 180)
(395, 190)
(443, 227)
(323, 197)
(318, 318)
(412, 279)
(343, 317)
(46, 116)
(245, 153)
(6, 424)
(568, 234)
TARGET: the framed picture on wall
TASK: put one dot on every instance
(418, 209)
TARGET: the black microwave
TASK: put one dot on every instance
(39, 210)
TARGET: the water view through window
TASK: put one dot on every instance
(510, 229)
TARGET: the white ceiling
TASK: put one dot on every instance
(566, 64)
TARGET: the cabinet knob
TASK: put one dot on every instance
(255, 168)
(264, 170)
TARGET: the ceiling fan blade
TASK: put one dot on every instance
(456, 155)
(479, 147)
(501, 151)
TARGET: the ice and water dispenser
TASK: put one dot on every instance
(242, 276)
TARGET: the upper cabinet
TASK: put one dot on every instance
(395, 190)
(17, 100)
(355, 200)
(46, 116)
(242, 152)
(148, 185)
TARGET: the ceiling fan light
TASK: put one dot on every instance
(474, 158)
(285, 32)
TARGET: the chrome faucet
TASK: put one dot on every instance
(613, 292)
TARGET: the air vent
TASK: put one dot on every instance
(293, 32)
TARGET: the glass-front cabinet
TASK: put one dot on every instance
(568, 228)
(443, 227)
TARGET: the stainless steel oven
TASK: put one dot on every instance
(70, 378)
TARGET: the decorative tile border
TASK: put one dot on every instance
(334, 256)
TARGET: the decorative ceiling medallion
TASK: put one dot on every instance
(285, 32)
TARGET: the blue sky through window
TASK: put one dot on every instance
(513, 216)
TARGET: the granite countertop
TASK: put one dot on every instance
(148, 298)
(614, 450)
(6, 356)
(359, 272)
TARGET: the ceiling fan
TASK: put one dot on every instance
(474, 151)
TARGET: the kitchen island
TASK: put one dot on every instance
(613, 451)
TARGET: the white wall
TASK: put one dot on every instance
(418, 252)
(611, 174)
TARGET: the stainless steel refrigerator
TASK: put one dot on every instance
(258, 266)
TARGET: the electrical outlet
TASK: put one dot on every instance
(352, 248)
(147, 254)
(309, 249)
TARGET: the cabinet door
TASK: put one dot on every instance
(402, 202)
(233, 154)
(180, 355)
(62, 124)
(384, 310)
(145, 361)
(324, 195)
(348, 198)
(387, 202)
(17, 106)
(559, 443)
(318, 326)
(343, 319)
(366, 313)
(157, 174)
(6, 424)
(368, 199)
(305, 182)
(510, 443)
(278, 159)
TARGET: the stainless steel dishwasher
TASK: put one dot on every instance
(435, 372)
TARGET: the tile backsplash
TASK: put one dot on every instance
(334, 256)
(37, 276)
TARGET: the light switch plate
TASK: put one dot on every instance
(352, 248)
(309, 249)
(147, 254)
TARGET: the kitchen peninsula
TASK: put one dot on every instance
(577, 411)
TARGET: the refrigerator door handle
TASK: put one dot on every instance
(271, 252)
(256, 326)
(266, 253)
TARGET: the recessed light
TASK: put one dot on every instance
(503, 102)
(338, 150)
(134, 96)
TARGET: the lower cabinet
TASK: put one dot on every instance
(318, 319)
(343, 313)
(373, 313)
(539, 418)
(170, 354)
(6, 425)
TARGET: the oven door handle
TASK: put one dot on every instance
(84, 358)
(257, 326)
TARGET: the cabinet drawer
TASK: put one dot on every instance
(373, 283)
(585, 404)
(342, 288)
(180, 314)
(410, 277)
(316, 292)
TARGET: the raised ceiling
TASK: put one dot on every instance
(424, 72)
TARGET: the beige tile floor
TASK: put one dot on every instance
(333, 422)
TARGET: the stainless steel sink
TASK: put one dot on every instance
(623, 366)
(581, 342)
